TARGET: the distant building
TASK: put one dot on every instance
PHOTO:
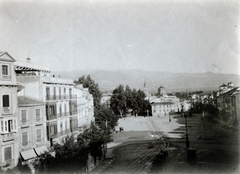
(161, 91)
(106, 99)
(164, 105)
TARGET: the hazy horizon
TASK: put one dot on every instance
(191, 36)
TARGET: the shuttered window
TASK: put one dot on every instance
(24, 117)
(38, 115)
(39, 135)
(6, 126)
(53, 129)
(8, 153)
(2, 126)
(4, 69)
(25, 138)
(15, 124)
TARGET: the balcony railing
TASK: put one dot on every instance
(65, 132)
(59, 115)
(39, 121)
(73, 129)
(6, 77)
(51, 117)
(7, 163)
(6, 110)
(73, 96)
(56, 97)
(8, 136)
(73, 112)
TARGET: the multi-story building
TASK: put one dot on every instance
(59, 96)
(164, 105)
(31, 128)
(8, 112)
(84, 107)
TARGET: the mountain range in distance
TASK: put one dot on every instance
(173, 82)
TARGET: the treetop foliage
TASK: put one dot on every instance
(125, 100)
(93, 88)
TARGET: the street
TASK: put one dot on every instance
(217, 147)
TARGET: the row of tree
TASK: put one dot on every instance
(125, 100)
(72, 156)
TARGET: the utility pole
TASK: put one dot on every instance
(187, 142)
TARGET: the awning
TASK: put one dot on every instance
(28, 154)
(40, 150)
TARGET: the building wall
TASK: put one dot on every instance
(8, 116)
(30, 125)
(162, 109)
(238, 105)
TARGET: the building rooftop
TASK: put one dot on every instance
(162, 103)
(28, 101)
(28, 66)
(6, 57)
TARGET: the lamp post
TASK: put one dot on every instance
(169, 116)
(182, 110)
(187, 142)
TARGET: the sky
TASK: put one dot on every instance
(193, 36)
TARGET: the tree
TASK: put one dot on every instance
(96, 138)
(93, 88)
(118, 100)
(105, 118)
(68, 157)
(127, 99)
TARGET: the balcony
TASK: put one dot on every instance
(8, 136)
(73, 112)
(6, 77)
(73, 96)
(39, 121)
(59, 115)
(56, 97)
(73, 129)
(51, 117)
(6, 110)
(7, 163)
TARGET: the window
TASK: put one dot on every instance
(5, 100)
(8, 155)
(4, 69)
(38, 115)
(60, 110)
(25, 138)
(10, 125)
(48, 93)
(59, 92)
(53, 129)
(24, 117)
(64, 92)
(54, 93)
(70, 93)
(2, 126)
(39, 135)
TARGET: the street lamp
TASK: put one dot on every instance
(187, 142)
(182, 110)
(169, 116)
